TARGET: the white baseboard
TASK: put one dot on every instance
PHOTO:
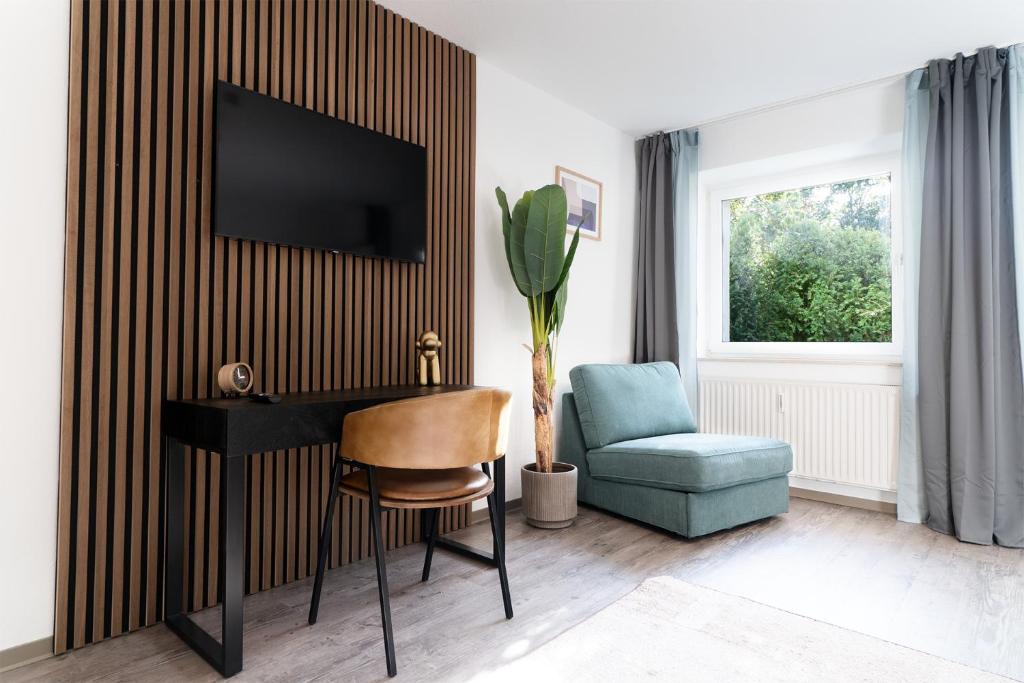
(839, 489)
(26, 653)
(879, 500)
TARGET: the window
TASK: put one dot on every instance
(807, 264)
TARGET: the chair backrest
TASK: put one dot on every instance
(453, 429)
(622, 402)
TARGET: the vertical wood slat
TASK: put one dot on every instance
(155, 303)
(87, 295)
(154, 317)
(136, 587)
(121, 484)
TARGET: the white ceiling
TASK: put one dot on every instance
(645, 65)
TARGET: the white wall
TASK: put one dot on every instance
(522, 134)
(856, 122)
(33, 123)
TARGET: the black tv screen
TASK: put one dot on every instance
(288, 175)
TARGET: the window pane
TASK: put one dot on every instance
(811, 264)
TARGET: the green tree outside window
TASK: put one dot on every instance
(812, 264)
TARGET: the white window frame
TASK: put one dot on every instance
(714, 280)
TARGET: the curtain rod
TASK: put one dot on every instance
(884, 80)
(781, 104)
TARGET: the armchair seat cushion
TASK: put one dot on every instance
(691, 462)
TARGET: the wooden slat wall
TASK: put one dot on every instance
(154, 303)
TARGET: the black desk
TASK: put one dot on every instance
(238, 428)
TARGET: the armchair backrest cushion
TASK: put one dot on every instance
(621, 402)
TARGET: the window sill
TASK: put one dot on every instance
(817, 358)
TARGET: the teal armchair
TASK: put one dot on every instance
(630, 433)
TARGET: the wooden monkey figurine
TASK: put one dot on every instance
(427, 347)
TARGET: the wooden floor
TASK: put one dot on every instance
(856, 569)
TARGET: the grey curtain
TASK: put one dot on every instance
(971, 393)
(655, 315)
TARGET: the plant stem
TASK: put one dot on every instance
(542, 408)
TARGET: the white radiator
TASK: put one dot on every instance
(841, 433)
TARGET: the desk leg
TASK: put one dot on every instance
(232, 559)
(225, 656)
(175, 515)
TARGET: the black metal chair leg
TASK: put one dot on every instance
(325, 541)
(433, 516)
(382, 576)
(499, 554)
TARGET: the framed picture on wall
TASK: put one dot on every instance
(584, 197)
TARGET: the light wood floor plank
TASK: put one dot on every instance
(854, 568)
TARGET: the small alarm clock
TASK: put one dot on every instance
(235, 379)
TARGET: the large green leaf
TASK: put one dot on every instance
(545, 237)
(564, 275)
(555, 314)
(517, 238)
(506, 217)
(514, 255)
(558, 310)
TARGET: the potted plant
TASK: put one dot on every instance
(534, 232)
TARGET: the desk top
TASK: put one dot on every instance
(239, 426)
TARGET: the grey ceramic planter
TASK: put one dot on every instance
(549, 500)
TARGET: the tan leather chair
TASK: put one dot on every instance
(420, 453)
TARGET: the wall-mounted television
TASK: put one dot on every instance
(288, 175)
